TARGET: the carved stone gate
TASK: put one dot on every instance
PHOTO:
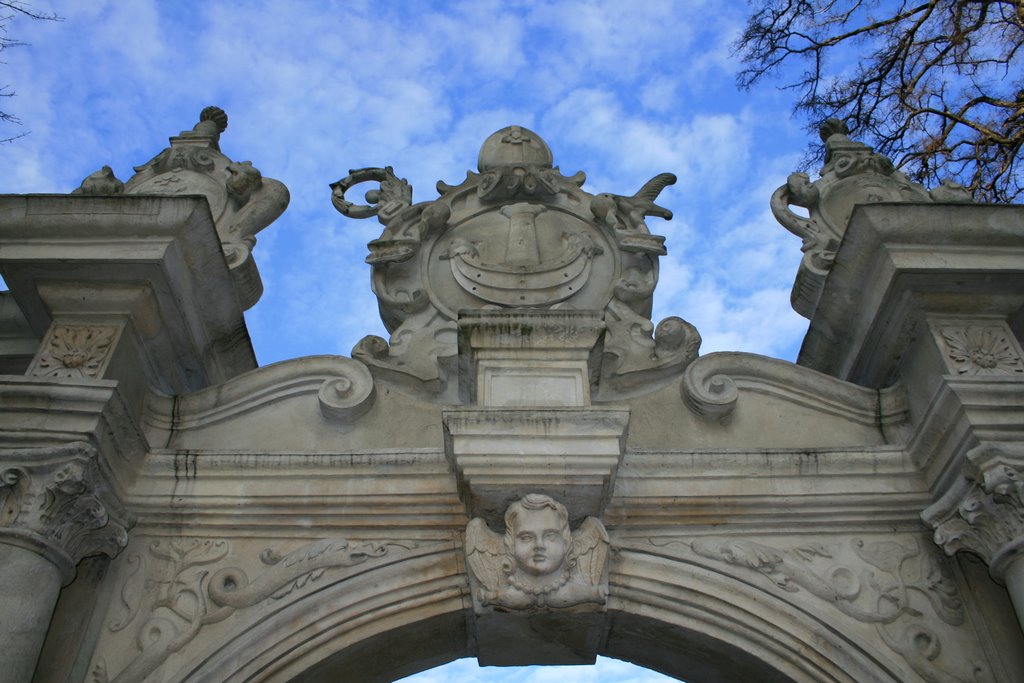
(529, 470)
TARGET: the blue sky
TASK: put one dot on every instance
(620, 90)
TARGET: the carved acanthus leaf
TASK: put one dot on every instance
(985, 514)
(855, 591)
(58, 496)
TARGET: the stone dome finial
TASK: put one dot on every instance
(216, 115)
(514, 146)
(830, 127)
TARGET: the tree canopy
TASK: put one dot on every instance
(937, 86)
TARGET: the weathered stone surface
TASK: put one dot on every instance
(853, 174)
(242, 201)
(149, 266)
(729, 517)
(517, 234)
(498, 455)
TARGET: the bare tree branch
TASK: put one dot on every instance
(938, 86)
(9, 10)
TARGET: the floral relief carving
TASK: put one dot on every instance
(75, 351)
(982, 350)
(188, 595)
(877, 582)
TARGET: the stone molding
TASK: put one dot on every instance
(151, 263)
(712, 384)
(528, 357)
(344, 389)
(570, 454)
(56, 502)
(901, 265)
(93, 411)
(697, 490)
(984, 512)
(962, 412)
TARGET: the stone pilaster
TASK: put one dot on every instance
(984, 515)
(55, 509)
(55, 502)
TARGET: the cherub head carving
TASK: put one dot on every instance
(538, 562)
(537, 534)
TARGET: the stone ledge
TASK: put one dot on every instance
(570, 454)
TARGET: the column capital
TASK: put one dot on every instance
(984, 512)
(56, 502)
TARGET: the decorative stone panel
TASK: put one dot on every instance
(78, 351)
(979, 348)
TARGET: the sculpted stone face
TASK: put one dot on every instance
(539, 543)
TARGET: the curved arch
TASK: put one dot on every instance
(682, 618)
(711, 626)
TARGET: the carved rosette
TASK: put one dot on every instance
(982, 349)
(516, 234)
(985, 514)
(75, 351)
(55, 502)
(853, 174)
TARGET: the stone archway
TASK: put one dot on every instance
(529, 470)
(393, 616)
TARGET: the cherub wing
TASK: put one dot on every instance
(590, 549)
(485, 551)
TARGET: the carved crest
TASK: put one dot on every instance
(516, 234)
(538, 562)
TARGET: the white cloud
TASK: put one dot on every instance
(620, 91)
